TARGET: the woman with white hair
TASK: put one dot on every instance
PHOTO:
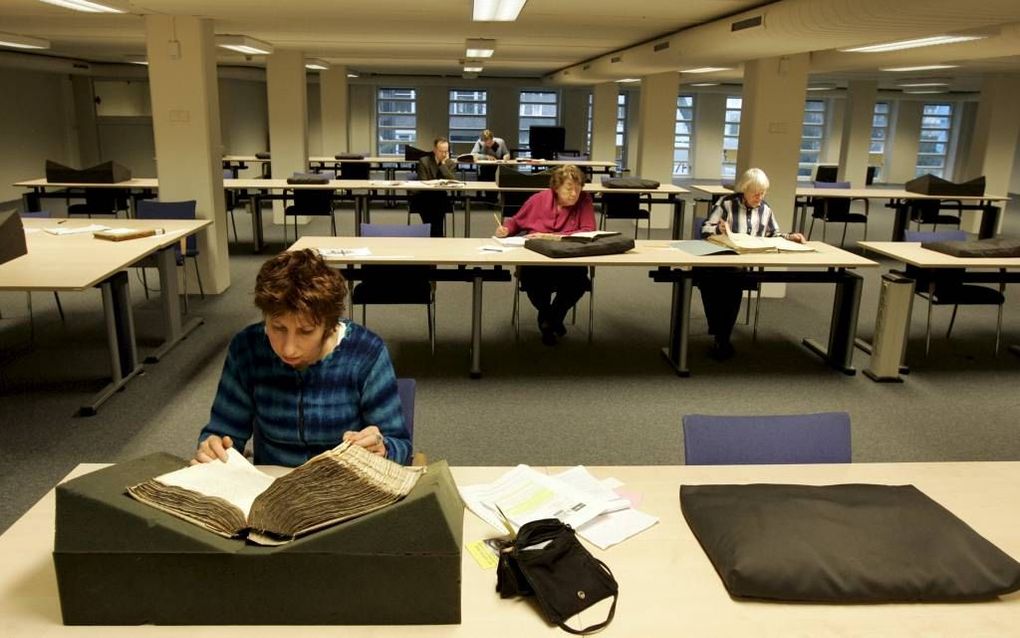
(745, 211)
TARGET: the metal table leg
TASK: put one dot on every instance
(679, 325)
(120, 335)
(843, 325)
(476, 327)
(174, 330)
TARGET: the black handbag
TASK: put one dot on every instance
(547, 561)
(558, 249)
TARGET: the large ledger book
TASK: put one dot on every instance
(233, 498)
(742, 243)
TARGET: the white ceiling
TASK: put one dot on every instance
(426, 37)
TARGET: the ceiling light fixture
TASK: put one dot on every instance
(22, 41)
(473, 69)
(630, 80)
(704, 84)
(352, 75)
(137, 59)
(923, 82)
(925, 91)
(929, 67)
(244, 44)
(480, 48)
(91, 6)
(913, 44)
(316, 65)
(822, 86)
(707, 69)
(497, 10)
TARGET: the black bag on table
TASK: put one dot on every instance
(993, 248)
(547, 561)
(308, 178)
(609, 245)
(629, 182)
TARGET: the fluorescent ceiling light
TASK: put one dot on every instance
(923, 82)
(821, 87)
(929, 67)
(91, 6)
(22, 41)
(352, 75)
(480, 48)
(913, 44)
(630, 80)
(497, 10)
(925, 91)
(704, 84)
(244, 44)
(137, 59)
(472, 69)
(707, 69)
(316, 65)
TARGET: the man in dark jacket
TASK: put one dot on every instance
(434, 205)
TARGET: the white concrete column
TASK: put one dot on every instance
(995, 134)
(835, 110)
(574, 117)
(287, 92)
(709, 120)
(603, 121)
(770, 126)
(503, 113)
(186, 129)
(333, 96)
(856, 141)
(657, 124)
(363, 129)
(906, 134)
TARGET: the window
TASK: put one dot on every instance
(397, 123)
(731, 137)
(812, 132)
(682, 134)
(936, 124)
(879, 131)
(538, 108)
(467, 118)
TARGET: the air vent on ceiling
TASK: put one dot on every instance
(616, 59)
(662, 46)
(748, 23)
(585, 67)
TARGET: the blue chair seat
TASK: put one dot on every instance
(749, 440)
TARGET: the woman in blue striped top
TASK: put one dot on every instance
(302, 380)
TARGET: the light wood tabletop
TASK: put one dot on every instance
(910, 252)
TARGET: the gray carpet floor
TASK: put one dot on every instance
(614, 401)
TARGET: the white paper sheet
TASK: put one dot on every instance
(236, 481)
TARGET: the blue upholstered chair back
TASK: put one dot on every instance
(154, 209)
(406, 389)
(35, 214)
(937, 235)
(395, 230)
(749, 440)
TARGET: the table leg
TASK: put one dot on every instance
(120, 335)
(31, 200)
(679, 204)
(174, 330)
(846, 304)
(989, 221)
(680, 325)
(900, 220)
(476, 327)
(467, 214)
(255, 206)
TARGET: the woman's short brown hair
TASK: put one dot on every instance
(566, 173)
(300, 282)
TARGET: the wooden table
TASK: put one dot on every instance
(899, 201)
(464, 260)
(667, 584)
(78, 262)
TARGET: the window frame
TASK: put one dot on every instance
(391, 94)
(524, 132)
(458, 143)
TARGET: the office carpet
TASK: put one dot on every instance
(612, 402)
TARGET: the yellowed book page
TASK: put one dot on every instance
(236, 481)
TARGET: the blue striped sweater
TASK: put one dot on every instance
(294, 415)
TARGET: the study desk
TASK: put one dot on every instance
(465, 260)
(899, 201)
(667, 584)
(78, 262)
(978, 269)
(42, 188)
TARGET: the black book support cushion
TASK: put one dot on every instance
(999, 247)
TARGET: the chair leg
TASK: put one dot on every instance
(430, 311)
(332, 222)
(516, 318)
(637, 223)
(747, 309)
(648, 228)
(185, 290)
(843, 238)
(363, 306)
(757, 307)
(198, 276)
(233, 223)
(60, 308)
(145, 284)
(952, 320)
(927, 330)
(998, 329)
(591, 306)
(31, 320)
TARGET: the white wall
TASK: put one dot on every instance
(122, 98)
(34, 126)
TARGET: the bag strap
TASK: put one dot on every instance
(591, 629)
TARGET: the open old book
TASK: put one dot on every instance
(742, 243)
(233, 497)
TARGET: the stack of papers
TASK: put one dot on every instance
(592, 507)
(510, 241)
(91, 228)
(326, 253)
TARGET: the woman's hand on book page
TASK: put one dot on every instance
(211, 449)
(370, 438)
(723, 227)
(797, 238)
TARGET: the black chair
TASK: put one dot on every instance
(837, 209)
(313, 202)
(40, 214)
(230, 200)
(627, 206)
(101, 201)
(393, 285)
(779, 439)
(511, 201)
(747, 286)
(926, 211)
(515, 316)
(944, 286)
(153, 209)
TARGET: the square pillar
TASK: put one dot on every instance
(856, 142)
(657, 127)
(333, 96)
(603, 121)
(287, 93)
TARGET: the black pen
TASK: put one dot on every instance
(62, 221)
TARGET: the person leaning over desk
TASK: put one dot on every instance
(488, 146)
(434, 205)
(744, 211)
(561, 209)
(302, 381)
